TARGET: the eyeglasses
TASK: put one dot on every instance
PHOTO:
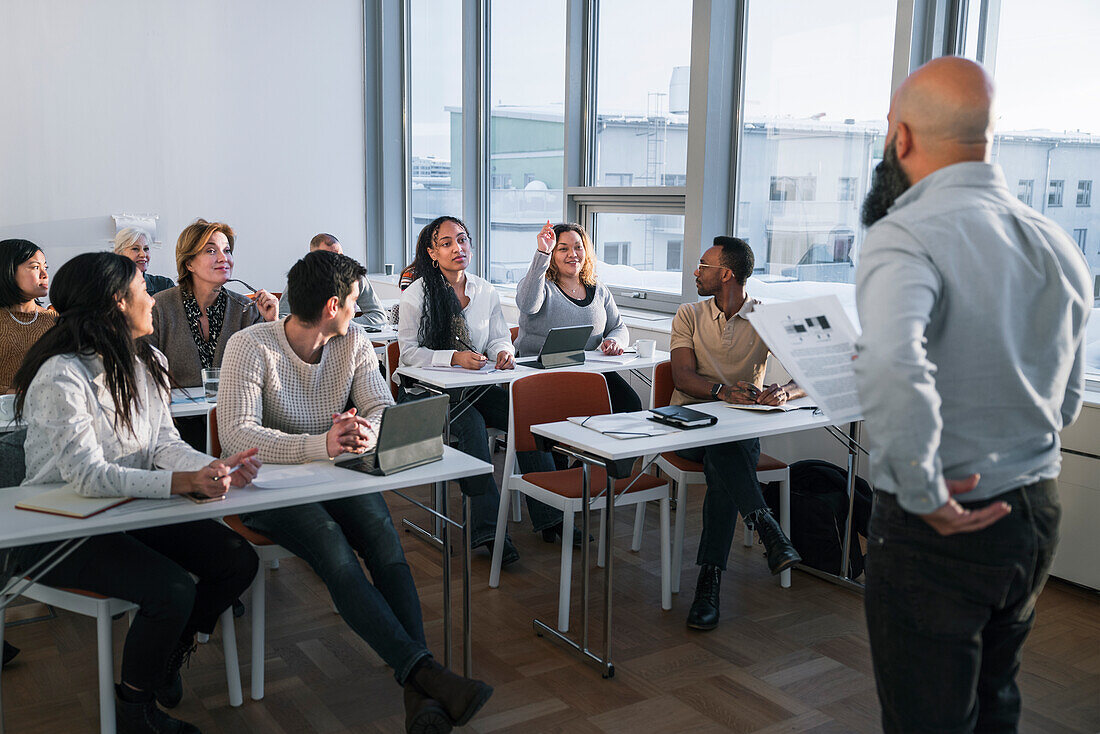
(718, 267)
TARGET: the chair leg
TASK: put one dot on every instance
(666, 580)
(515, 495)
(785, 523)
(498, 543)
(639, 526)
(601, 558)
(748, 539)
(678, 535)
(565, 579)
(273, 564)
(202, 638)
(258, 636)
(105, 650)
(232, 664)
(3, 614)
(517, 505)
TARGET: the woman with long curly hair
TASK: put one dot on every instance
(449, 317)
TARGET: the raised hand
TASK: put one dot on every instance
(546, 238)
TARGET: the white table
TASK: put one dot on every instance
(186, 401)
(21, 527)
(618, 455)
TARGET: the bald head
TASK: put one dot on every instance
(945, 110)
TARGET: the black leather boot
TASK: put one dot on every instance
(781, 554)
(170, 693)
(143, 717)
(424, 715)
(461, 697)
(704, 607)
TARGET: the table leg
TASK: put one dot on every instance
(446, 561)
(609, 669)
(467, 623)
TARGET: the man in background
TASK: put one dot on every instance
(372, 315)
(971, 360)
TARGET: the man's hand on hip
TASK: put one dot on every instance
(953, 518)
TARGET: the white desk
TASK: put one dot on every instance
(618, 455)
(21, 527)
(185, 402)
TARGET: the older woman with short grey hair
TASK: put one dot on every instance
(133, 243)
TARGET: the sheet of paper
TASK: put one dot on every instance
(597, 356)
(284, 476)
(623, 426)
(799, 404)
(816, 342)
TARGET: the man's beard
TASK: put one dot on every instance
(887, 184)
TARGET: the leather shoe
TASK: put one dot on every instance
(170, 693)
(461, 697)
(777, 546)
(424, 715)
(704, 607)
(143, 717)
(508, 556)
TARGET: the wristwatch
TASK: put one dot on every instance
(715, 389)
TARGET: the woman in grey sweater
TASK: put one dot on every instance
(560, 289)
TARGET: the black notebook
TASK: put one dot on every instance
(681, 417)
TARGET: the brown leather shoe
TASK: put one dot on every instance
(461, 697)
(424, 715)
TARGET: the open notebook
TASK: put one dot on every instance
(65, 501)
(623, 425)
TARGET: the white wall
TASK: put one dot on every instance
(249, 112)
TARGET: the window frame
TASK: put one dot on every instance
(1084, 186)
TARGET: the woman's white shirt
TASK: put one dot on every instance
(489, 332)
(71, 436)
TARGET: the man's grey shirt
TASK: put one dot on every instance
(373, 313)
(973, 308)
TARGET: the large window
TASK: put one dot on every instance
(628, 243)
(642, 91)
(817, 86)
(527, 130)
(1048, 126)
(435, 118)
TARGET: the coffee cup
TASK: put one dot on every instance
(645, 347)
(7, 408)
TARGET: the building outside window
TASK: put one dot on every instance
(1084, 193)
(846, 188)
(1025, 189)
(618, 179)
(616, 253)
(674, 254)
(674, 179)
(1080, 236)
(1054, 195)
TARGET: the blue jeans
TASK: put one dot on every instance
(327, 536)
(732, 487)
(470, 435)
(947, 616)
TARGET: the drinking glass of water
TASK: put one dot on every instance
(210, 379)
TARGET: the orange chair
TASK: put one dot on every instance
(270, 553)
(554, 396)
(683, 472)
(514, 331)
(393, 358)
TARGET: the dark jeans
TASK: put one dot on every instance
(947, 615)
(327, 536)
(152, 568)
(730, 469)
(469, 435)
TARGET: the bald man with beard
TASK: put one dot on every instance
(971, 360)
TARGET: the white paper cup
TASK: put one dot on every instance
(645, 347)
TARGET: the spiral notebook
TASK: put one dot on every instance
(65, 501)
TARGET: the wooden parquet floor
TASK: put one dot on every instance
(793, 660)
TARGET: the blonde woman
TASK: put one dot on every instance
(133, 243)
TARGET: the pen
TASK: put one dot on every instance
(462, 342)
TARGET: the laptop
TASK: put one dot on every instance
(564, 347)
(411, 435)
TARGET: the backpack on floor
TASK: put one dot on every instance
(819, 510)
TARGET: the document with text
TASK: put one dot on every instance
(816, 342)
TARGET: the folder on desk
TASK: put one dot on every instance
(682, 417)
(65, 501)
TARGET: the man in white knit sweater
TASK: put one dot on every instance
(284, 389)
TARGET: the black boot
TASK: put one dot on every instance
(10, 651)
(704, 607)
(143, 716)
(424, 715)
(553, 535)
(170, 693)
(461, 697)
(781, 554)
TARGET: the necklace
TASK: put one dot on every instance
(24, 323)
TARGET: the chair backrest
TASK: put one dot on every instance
(553, 396)
(393, 355)
(662, 384)
(13, 460)
(514, 331)
(212, 428)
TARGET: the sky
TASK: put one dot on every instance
(805, 58)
